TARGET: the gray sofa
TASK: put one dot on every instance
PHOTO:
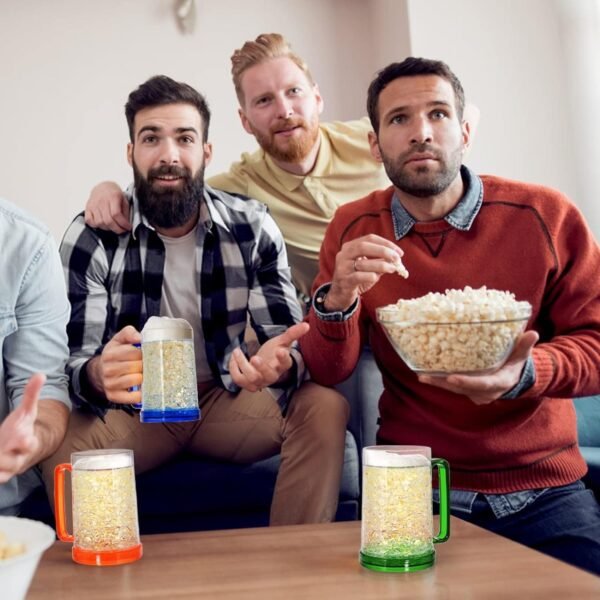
(588, 430)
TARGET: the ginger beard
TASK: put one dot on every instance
(292, 149)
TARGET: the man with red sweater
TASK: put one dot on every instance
(509, 436)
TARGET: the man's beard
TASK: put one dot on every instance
(167, 207)
(425, 182)
(297, 147)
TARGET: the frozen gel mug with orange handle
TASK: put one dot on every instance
(105, 520)
(397, 509)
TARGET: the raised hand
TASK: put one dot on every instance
(18, 439)
(270, 364)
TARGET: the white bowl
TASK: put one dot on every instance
(17, 572)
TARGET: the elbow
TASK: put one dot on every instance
(327, 372)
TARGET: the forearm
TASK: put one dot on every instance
(92, 372)
(567, 367)
(331, 348)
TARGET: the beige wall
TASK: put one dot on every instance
(509, 58)
(66, 67)
(533, 69)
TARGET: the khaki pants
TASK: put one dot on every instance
(240, 428)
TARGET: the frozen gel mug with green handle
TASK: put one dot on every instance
(397, 508)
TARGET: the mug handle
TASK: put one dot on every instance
(59, 502)
(136, 388)
(444, 488)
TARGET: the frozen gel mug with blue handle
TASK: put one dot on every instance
(397, 508)
(169, 387)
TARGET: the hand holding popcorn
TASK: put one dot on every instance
(358, 266)
(487, 388)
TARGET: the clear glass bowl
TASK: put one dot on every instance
(433, 348)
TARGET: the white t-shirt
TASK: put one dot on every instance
(179, 297)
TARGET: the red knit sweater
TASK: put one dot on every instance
(526, 239)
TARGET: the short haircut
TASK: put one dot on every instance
(411, 67)
(265, 47)
(160, 90)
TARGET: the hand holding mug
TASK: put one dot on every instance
(119, 367)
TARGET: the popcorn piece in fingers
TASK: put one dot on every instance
(401, 269)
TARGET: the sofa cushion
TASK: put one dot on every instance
(588, 420)
(204, 486)
(190, 494)
(588, 432)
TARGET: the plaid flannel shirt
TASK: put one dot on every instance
(241, 270)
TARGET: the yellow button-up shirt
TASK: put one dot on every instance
(303, 205)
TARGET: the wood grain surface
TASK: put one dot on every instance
(310, 561)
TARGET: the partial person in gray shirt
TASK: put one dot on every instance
(34, 396)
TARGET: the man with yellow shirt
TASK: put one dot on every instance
(303, 203)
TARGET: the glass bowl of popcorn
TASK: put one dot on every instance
(468, 331)
(22, 543)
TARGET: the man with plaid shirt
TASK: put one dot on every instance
(217, 260)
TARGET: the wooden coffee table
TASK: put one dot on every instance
(310, 561)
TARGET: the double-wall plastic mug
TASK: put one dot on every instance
(397, 508)
(169, 388)
(105, 518)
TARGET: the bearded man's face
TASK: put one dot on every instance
(168, 156)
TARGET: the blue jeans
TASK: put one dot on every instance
(563, 522)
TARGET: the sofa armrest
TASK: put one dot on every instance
(588, 420)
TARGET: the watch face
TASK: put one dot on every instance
(320, 299)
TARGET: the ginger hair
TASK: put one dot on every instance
(266, 46)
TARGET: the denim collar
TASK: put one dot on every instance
(460, 217)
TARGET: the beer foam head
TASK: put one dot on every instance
(96, 460)
(397, 456)
(166, 328)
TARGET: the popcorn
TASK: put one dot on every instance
(8, 550)
(460, 331)
(401, 269)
